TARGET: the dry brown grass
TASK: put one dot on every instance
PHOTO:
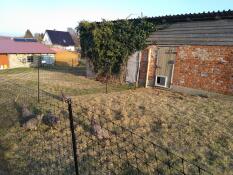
(197, 128)
(200, 129)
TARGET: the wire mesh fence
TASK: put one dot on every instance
(105, 147)
(37, 135)
(56, 136)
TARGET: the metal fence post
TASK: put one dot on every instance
(74, 142)
(38, 79)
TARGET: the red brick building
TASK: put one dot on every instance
(191, 52)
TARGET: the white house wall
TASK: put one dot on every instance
(70, 48)
(132, 68)
(46, 39)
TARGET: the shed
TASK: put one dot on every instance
(191, 53)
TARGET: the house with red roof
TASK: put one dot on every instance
(23, 52)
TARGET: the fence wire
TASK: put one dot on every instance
(43, 142)
(108, 148)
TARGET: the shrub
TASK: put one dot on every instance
(108, 44)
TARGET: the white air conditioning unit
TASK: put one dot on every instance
(161, 81)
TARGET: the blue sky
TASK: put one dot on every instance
(37, 15)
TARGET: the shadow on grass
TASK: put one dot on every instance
(72, 91)
(4, 152)
(4, 170)
(79, 71)
(51, 95)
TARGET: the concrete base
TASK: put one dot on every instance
(198, 92)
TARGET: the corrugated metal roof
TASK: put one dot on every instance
(217, 32)
(204, 16)
(60, 38)
(9, 46)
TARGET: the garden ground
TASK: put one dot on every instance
(197, 128)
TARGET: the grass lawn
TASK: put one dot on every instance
(199, 129)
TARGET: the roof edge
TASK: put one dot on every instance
(203, 16)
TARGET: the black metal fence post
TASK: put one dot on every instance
(38, 79)
(74, 142)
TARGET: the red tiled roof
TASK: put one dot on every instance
(5, 37)
(9, 46)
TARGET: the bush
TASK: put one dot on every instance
(108, 44)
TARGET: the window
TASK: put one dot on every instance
(30, 59)
(47, 59)
(161, 81)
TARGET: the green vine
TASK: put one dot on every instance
(113, 42)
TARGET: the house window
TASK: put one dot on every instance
(161, 81)
(30, 59)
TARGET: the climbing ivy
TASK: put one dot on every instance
(113, 42)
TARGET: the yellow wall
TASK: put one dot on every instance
(19, 60)
(67, 58)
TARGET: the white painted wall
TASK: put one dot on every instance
(46, 39)
(89, 68)
(70, 48)
(132, 68)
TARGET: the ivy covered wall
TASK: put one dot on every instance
(108, 44)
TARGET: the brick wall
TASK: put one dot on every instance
(144, 64)
(208, 68)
